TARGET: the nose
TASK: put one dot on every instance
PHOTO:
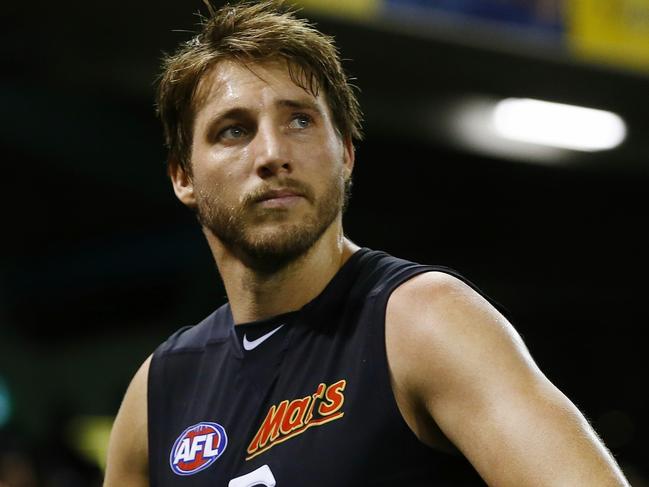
(271, 152)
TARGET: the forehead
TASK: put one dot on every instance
(238, 83)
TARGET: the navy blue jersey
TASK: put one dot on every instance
(302, 399)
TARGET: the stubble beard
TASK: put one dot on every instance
(272, 248)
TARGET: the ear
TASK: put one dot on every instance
(182, 183)
(349, 156)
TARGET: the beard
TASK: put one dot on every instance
(263, 237)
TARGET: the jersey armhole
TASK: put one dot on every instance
(379, 301)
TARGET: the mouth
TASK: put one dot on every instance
(280, 193)
(279, 198)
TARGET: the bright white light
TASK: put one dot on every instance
(558, 125)
(470, 125)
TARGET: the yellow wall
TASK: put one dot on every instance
(347, 8)
(609, 31)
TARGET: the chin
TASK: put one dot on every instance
(272, 240)
(279, 246)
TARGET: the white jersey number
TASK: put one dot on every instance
(261, 476)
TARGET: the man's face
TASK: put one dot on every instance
(269, 170)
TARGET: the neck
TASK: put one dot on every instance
(257, 294)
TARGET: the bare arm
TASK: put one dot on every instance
(454, 358)
(128, 462)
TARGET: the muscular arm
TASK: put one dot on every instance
(455, 359)
(127, 464)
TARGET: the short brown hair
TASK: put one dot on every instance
(248, 32)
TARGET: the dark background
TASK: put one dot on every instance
(100, 263)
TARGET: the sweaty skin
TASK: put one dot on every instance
(457, 361)
(461, 375)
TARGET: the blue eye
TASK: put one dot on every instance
(233, 132)
(300, 121)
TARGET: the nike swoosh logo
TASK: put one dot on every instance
(250, 345)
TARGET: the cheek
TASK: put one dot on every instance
(222, 185)
(328, 156)
(211, 167)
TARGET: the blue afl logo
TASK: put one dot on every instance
(197, 448)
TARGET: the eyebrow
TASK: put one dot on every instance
(237, 112)
(303, 104)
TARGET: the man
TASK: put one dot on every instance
(331, 364)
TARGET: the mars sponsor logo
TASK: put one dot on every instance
(197, 448)
(291, 418)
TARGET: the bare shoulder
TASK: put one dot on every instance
(441, 334)
(443, 297)
(439, 315)
(454, 359)
(127, 464)
(446, 343)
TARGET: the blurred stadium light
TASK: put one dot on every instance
(528, 130)
(558, 124)
(469, 123)
(564, 35)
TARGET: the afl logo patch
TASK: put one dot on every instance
(197, 448)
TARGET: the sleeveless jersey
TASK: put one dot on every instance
(302, 399)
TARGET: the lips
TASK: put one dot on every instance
(278, 194)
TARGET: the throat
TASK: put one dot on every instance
(256, 295)
(263, 295)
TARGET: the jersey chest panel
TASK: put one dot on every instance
(318, 410)
(319, 415)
